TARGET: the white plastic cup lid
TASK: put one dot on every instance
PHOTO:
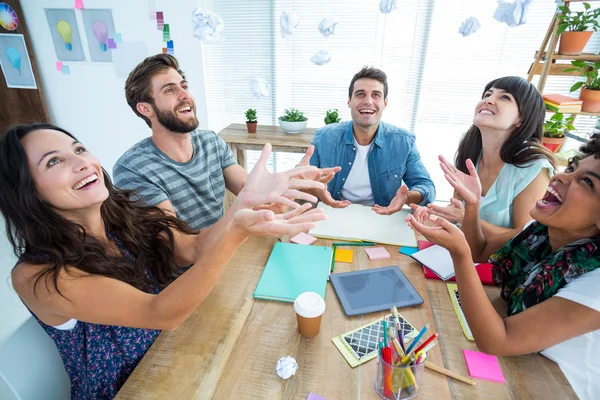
(309, 305)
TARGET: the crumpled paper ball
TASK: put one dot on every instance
(207, 25)
(470, 26)
(512, 13)
(327, 26)
(387, 6)
(286, 367)
(321, 57)
(288, 23)
(259, 88)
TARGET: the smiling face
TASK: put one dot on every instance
(572, 200)
(173, 105)
(367, 102)
(66, 175)
(497, 110)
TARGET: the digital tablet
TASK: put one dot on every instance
(366, 291)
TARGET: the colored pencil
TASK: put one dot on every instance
(416, 340)
(425, 343)
(353, 244)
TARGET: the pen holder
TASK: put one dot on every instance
(395, 383)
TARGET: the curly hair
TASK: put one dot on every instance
(39, 235)
(524, 143)
(590, 148)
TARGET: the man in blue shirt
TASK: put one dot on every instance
(376, 158)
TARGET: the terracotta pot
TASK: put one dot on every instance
(591, 100)
(573, 42)
(251, 126)
(553, 144)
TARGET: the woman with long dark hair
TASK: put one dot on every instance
(504, 142)
(549, 273)
(103, 273)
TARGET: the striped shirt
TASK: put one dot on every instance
(195, 188)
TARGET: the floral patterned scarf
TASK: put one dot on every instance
(529, 273)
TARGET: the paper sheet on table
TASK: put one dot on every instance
(483, 366)
(357, 222)
(437, 259)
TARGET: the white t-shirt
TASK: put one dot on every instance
(579, 357)
(357, 188)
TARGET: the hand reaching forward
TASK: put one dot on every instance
(442, 233)
(453, 212)
(396, 204)
(467, 186)
(266, 223)
(264, 187)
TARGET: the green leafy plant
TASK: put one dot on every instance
(331, 117)
(251, 115)
(293, 115)
(590, 71)
(556, 126)
(578, 21)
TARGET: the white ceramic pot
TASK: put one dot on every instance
(292, 127)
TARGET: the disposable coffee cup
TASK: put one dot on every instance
(309, 307)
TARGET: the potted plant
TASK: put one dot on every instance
(293, 120)
(251, 121)
(554, 131)
(331, 117)
(574, 28)
(590, 88)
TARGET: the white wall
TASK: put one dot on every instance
(90, 103)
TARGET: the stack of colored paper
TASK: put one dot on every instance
(562, 104)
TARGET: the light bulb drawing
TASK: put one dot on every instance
(14, 57)
(101, 32)
(66, 33)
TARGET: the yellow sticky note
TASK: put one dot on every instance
(343, 255)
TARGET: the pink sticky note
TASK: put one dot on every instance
(377, 253)
(312, 396)
(59, 65)
(159, 16)
(79, 4)
(483, 366)
(303, 238)
(112, 44)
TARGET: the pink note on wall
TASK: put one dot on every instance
(483, 366)
(59, 65)
(79, 4)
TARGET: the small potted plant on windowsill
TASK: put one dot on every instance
(574, 28)
(251, 121)
(292, 120)
(590, 88)
(554, 131)
(332, 117)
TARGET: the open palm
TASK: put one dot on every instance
(467, 186)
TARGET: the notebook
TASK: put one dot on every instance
(357, 222)
(437, 259)
(293, 269)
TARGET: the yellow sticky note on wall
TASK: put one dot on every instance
(342, 255)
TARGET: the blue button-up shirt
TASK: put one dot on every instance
(393, 158)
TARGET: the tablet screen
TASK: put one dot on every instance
(366, 291)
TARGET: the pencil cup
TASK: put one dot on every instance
(395, 383)
(309, 307)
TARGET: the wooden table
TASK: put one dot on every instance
(238, 138)
(229, 347)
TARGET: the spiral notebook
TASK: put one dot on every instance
(293, 269)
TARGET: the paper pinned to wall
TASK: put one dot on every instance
(66, 70)
(79, 4)
(152, 9)
(288, 23)
(207, 25)
(65, 34)
(357, 222)
(127, 56)
(469, 26)
(59, 66)
(15, 62)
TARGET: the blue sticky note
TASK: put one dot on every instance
(66, 70)
(118, 38)
(409, 251)
(170, 44)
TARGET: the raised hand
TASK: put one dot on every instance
(396, 204)
(467, 186)
(266, 223)
(421, 214)
(264, 187)
(442, 233)
(327, 173)
(454, 212)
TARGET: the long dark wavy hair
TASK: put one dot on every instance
(39, 235)
(524, 143)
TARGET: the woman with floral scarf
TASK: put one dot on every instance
(549, 273)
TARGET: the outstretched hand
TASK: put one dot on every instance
(396, 204)
(453, 212)
(266, 223)
(328, 174)
(264, 187)
(442, 233)
(467, 186)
